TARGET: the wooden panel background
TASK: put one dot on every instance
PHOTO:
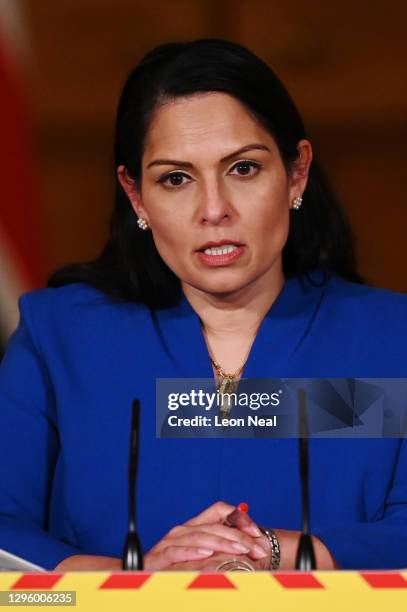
(344, 63)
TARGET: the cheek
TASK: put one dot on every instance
(165, 223)
(274, 235)
(272, 217)
(166, 219)
(166, 237)
(269, 198)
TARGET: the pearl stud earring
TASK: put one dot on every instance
(297, 202)
(142, 223)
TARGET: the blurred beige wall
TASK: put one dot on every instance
(343, 62)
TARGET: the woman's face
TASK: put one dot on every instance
(213, 178)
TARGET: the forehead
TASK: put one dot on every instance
(207, 121)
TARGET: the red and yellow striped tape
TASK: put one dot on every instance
(174, 591)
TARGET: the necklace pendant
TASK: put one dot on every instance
(224, 384)
(227, 386)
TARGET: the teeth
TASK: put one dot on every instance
(223, 250)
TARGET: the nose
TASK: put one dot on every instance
(215, 206)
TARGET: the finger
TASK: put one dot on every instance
(226, 532)
(214, 514)
(174, 554)
(242, 507)
(206, 565)
(187, 566)
(243, 522)
(216, 529)
(219, 543)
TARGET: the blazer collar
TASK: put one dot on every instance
(281, 332)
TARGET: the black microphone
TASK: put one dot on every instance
(132, 555)
(305, 559)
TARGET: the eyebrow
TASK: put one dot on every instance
(184, 164)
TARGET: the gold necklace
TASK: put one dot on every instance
(227, 379)
(227, 386)
(228, 383)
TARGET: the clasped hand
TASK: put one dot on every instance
(203, 542)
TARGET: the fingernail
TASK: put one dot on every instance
(259, 551)
(205, 551)
(240, 547)
(254, 531)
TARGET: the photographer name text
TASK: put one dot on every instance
(218, 421)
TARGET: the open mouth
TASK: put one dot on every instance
(221, 250)
(222, 255)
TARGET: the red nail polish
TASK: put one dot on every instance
(243, 507)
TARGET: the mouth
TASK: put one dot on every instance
(222, 247)
(222, 253)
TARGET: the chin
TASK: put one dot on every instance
(221, 287)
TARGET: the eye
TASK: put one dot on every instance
(175, 179)
(245, 166)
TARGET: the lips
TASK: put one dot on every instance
(214, 256)
(219, 243)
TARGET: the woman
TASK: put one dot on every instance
(228, 254)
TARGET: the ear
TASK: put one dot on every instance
(298, 175)
(130, 188)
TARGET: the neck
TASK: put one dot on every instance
(236, 312)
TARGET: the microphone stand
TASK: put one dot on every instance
(305, 559)
(132, 555)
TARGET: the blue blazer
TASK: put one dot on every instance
(77, 360)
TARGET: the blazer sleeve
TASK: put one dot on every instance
(380, 544)
(29, 448)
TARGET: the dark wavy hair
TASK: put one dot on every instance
(130, 267)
